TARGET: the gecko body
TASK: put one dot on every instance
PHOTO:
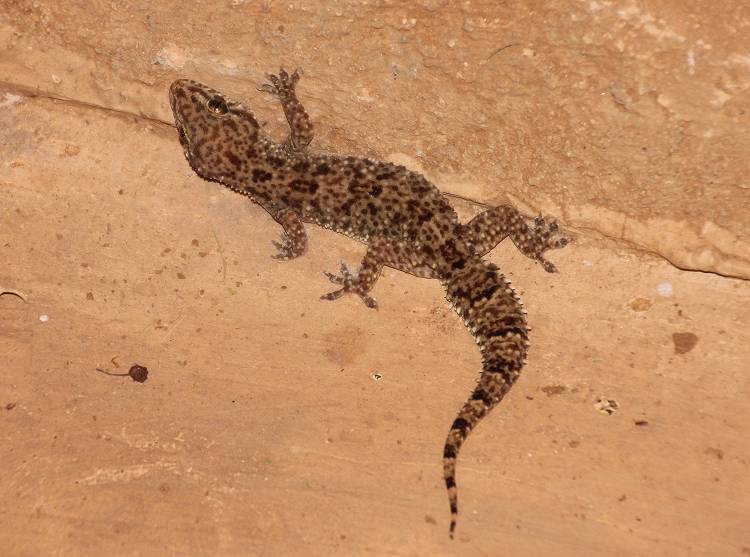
(405, 221)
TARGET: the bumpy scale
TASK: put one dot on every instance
(405, 221)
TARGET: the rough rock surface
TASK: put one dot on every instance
(261, 428)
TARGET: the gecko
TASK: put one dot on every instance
(405, 221)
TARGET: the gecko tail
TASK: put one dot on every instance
(490, 308)
(449, 465)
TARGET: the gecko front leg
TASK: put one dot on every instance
(294, 238)
(300, 125)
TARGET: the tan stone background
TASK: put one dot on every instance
(261, 430)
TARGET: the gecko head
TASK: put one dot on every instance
(218, 135)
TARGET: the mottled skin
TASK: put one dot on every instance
(405, 221)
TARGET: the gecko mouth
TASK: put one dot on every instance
(184, 139)
(182, 134)
(185, 142)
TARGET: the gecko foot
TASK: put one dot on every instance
(352, 283)
(281, 85)
(288, 248)
(544, 236)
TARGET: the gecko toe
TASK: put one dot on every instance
(547, 266)
(335, 279)
(346, 277)
(369, 301)
(335, 295)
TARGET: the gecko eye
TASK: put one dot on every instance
(218, 106)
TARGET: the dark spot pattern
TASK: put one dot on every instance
(234, 159)
(260, 175)
(301, 166)
(321, 170)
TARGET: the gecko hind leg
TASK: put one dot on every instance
(380, 253)
(492, 226)
(361, 282)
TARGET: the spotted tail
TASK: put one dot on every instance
(492, 311)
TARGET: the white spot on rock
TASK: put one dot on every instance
(665, 289)
(171, 56)
(363, 95)
(228, 67)
(10, 99)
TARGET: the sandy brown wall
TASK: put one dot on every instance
(261, 429)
